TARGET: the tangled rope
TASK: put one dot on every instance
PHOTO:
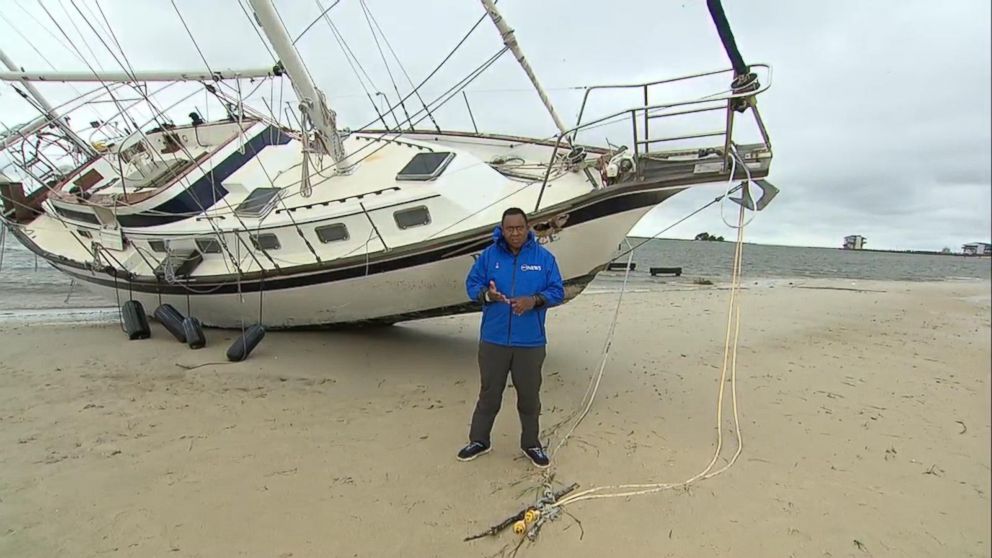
(729, 366)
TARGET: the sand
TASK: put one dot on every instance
(865, 417)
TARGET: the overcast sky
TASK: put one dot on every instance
(879, 112)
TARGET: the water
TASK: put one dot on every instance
(27, 283)
(714, 260)
(30, 287)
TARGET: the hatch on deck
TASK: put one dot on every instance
(258, 203)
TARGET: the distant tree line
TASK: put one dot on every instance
(708, 236)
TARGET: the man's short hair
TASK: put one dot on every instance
(514, 211)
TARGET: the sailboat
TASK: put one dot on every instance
(246, 219)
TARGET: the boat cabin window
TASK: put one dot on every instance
(208, 246)
(158, 246)
(77, 215)
(84, 234)
(332, 233)
(425, 166)
(149, 174)
(266, 241)
(128, 153)
(413, 217)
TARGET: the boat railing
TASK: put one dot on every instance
(649, 123)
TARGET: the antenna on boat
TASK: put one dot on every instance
(313, 104)
(511, 42)
(49, 111)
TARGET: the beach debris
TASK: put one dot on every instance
(284, 472)
(53, 457)
(840, 289)
(701, 281)
(195, 366)
(963, 427)
(529, 520)
(934, 470)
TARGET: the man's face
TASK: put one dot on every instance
(514, 231)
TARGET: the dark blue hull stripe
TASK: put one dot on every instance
(329, 272)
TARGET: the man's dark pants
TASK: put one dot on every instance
(524, 363)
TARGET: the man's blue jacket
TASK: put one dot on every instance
(533, 271)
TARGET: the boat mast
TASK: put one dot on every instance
(49, 111)
(511, 42)
(313, 104)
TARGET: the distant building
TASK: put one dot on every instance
(977, 249)
(854, 242)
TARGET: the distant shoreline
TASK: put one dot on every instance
(875, 250)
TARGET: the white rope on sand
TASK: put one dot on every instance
(729, 362)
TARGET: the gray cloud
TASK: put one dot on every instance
(879, 112)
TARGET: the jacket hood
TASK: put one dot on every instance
(501, 242)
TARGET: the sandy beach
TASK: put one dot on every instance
(864, 409)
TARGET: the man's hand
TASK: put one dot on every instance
(522, 304)
(494, 295)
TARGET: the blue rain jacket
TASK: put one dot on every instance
(533, 271)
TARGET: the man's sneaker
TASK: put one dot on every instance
(473, 450)
(538, 457)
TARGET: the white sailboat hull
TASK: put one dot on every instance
(434, 288)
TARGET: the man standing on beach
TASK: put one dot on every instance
(517, 280)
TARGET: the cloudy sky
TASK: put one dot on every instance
(879, 111)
